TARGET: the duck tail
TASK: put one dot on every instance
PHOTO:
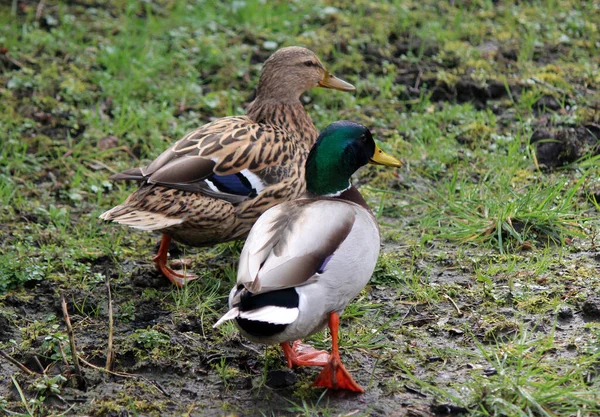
(230, 315)
(133, 174)
(139, 219)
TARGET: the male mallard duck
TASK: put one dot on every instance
(212, 184)
(304, 260)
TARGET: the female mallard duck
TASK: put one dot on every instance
(304, 260)
(212, 184)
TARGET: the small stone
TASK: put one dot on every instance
(270, 45)
(591, 307)
(488, 47)
(548, 102)
(108, 142)
(565, 313)
(330, 10)
(564, 39)
(489, 371)
(51, 21)
(281, 378)
(447, 410)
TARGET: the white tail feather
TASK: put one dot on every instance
(231, 314)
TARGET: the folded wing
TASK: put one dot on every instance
(219, 160)
(291, 244)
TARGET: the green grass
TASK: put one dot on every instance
(465, 211)
(529, 379)
(520, 377)
(482, 243)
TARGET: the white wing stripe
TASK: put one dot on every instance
(272, 314)
(268, 314)
(254, 180)
(212, 186)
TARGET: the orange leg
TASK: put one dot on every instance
(334, 375)
(178, 278)
(303, 355)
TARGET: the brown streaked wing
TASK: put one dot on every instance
(187, 173)
(232, 144)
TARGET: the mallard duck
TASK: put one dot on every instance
(305, 260)
(211, 185)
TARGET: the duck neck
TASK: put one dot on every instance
(353, 195)
(349, 194)
(290, 115)
(325, 177)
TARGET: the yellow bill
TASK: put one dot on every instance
(382, 158)
(331, 81)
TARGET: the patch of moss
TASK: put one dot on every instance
(499, 328)
(535, 304)
(128, 403)
(475, 134)
(553, 75)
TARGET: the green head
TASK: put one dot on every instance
(341, 148)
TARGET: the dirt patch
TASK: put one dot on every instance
(6, 331)
(188, 367)
(591, 308)
(466, 90)
(560, 146)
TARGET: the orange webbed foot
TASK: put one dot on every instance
(335, 375)
(177, 278)
(300, 354)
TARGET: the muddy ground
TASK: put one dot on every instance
(180, 375)
(423, 338)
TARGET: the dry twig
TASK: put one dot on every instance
(65, 360)
(16, 363)
(460, 313)
(39, 364)
(110, 354)
(39, 9)
(155, 384)
(72, 341)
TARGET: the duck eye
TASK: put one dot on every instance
(309, 64)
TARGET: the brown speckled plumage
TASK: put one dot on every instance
(271, 142)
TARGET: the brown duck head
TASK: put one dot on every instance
(293, 70)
